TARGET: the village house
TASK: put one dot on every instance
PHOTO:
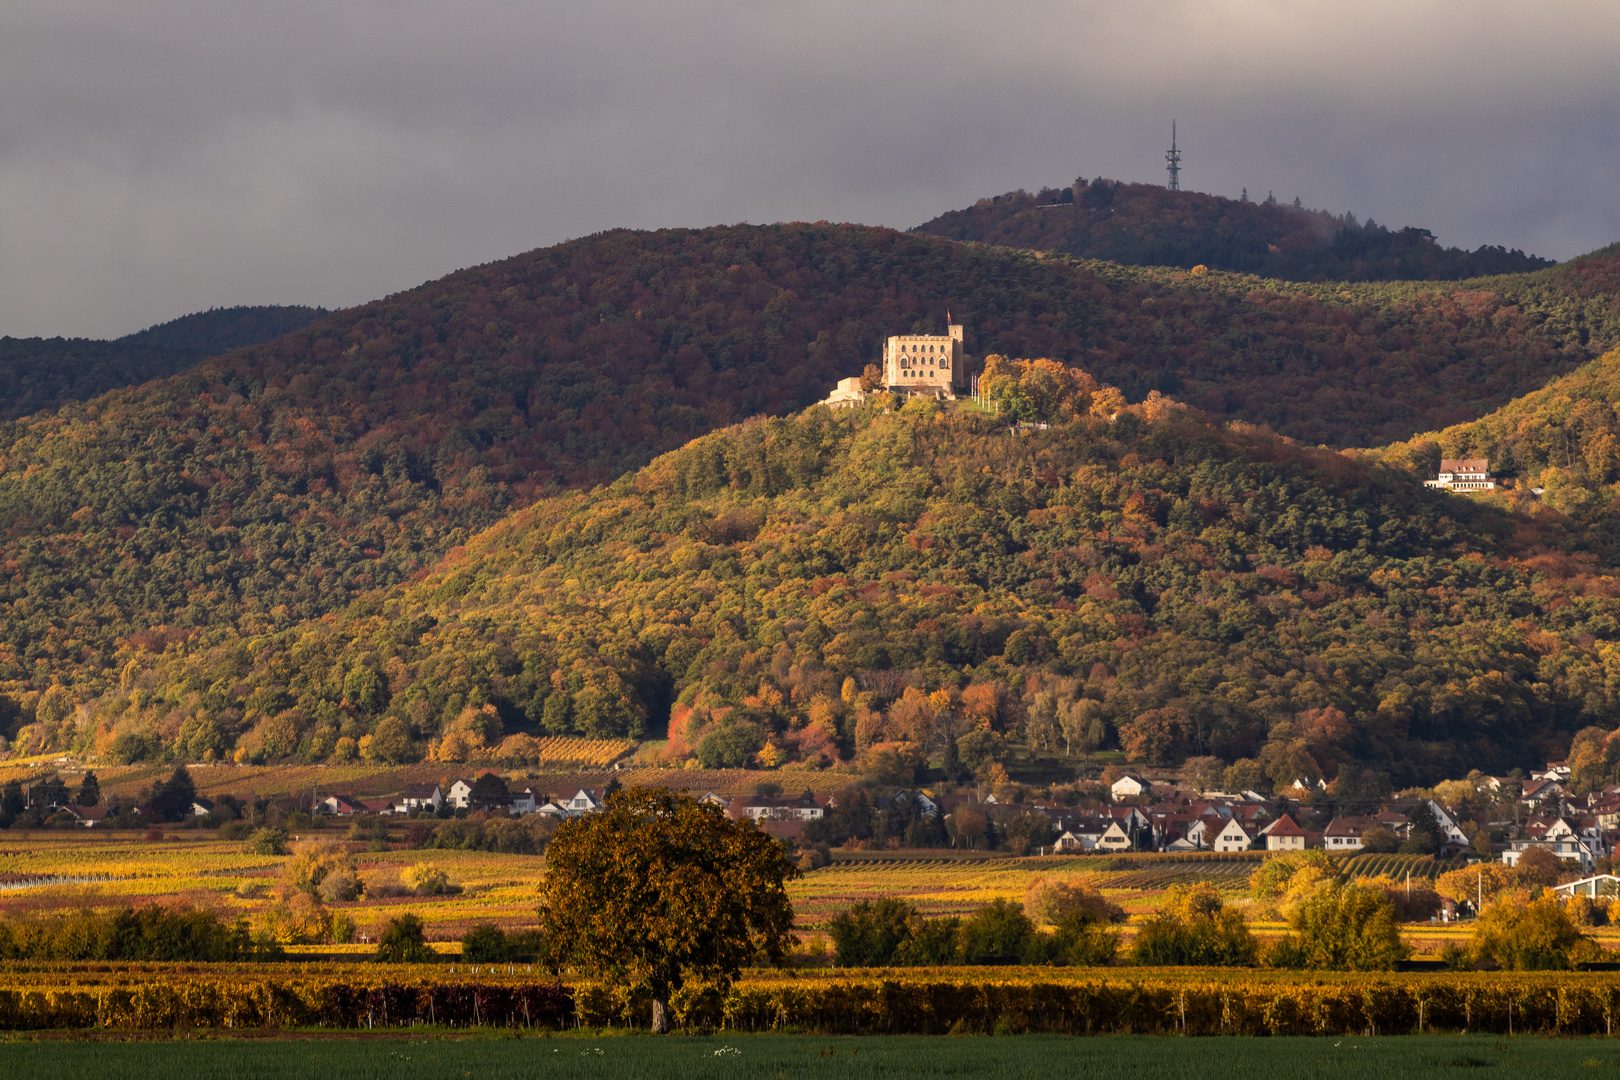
(1463, 474)
(421, 797)
(581, 802)
(1232, 838)
(458, 793)
(88, 816)
(1115, 838)
(1566, 848)
(1129, 787)
(1284, 835)
(341, 805)
(1601, 885)
(804, 808)
(1344, 833)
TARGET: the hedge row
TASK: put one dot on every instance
(1191, 1003)
(271, 1003)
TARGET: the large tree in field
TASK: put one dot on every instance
(657, 889)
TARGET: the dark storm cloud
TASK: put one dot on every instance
(157, 158)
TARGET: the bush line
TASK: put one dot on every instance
(1190, 1003)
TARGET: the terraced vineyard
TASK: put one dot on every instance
(1398, 866)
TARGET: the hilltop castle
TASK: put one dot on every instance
(932, 365)
(926, 362)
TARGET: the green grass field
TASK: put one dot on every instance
(788, 1056)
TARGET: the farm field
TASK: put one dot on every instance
(593, 1057)
(64, 870)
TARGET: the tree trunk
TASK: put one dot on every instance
(660, 1017)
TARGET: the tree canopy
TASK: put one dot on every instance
(658, 890)
(1149, 225)
(283, 481)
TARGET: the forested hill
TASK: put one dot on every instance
(43, 373)
(1556, 453)
(1149, 225)
(1155, 582)
(275, 483)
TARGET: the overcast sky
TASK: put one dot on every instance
(158, 158)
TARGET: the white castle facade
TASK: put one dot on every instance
(920, 363)
(928, 365)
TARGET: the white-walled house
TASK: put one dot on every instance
(1232, 838)
(1284, 834)
(1129, 787)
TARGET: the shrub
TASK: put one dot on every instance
(931, 943)
(1085, 942)
(404, 942)
(151, 933)
(998, 933)
(427, 880)
(1276, 876)
(313, 862)
(485, 943)
(1380, 840)
(1049, 903)
(1528, 935)
(235, 830)
(268, 841)
(1195, 928)
(1342, 928)
(870, 933)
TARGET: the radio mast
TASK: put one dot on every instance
(1173, 156)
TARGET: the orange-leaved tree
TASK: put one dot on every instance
(658, 889)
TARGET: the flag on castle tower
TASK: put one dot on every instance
(947, 316)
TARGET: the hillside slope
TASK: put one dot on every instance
(1563, 440)
(43, 373)
(274, 484)
(1174, 586)
(1149, 225)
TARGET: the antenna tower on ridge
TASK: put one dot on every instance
(1173, 156)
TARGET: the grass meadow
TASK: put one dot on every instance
(575, 1057)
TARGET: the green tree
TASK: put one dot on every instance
(1380, 840)
(870, 933)
(403, 941)
(1342, 928)
(658, 889)
(171, 800)
(268, 840)
(485, 943)
(1195, 927)
(1084, 941)
(998, 933)
(392, 742)
(489, 792)
(1425, 836)
(89, 790)
(931, 943)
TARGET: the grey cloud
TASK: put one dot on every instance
(158, 158)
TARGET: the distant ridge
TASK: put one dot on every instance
(280, 482)
(42, 373)
(1148, 225)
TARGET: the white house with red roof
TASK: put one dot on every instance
(1284, 834)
